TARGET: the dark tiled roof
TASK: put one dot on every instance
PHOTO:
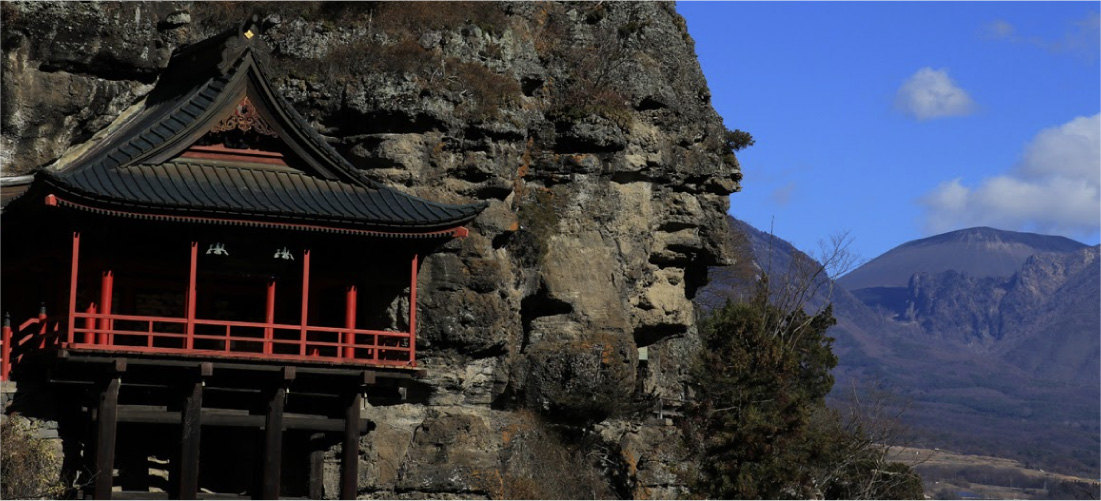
(137, 167)
(198, 188)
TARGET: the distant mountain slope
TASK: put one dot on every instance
(1055, 301)
(979, 252)
(994, 362)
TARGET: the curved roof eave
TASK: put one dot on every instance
(185, 105)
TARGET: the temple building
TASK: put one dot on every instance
(209, 285)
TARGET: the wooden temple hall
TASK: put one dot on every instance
(210, 290)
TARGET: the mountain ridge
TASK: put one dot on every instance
(1001, 365)
(980, 251)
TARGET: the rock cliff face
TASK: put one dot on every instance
(587, 127)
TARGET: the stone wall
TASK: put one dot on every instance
(587, 127)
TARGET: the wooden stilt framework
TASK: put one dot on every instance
(197, 399)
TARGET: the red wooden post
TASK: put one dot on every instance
(269, 318)
(305, 299)
(90, 325)
(190, 322)
(350, 322)
(413, 314)
(72, 283)
(42, 326)
(106, 289)
(5, 350)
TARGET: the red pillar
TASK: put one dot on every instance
(90, 325)
(72, 283)
(43, 325)
(190, 323)
(269, 318)
(107, 286)
(350, 322)
(5, 350)
(413, 314)
(305, 299)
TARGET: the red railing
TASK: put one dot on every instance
(97, 328)
(33, 334)
(237, 339)
(216, 338)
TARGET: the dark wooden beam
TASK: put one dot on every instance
(273, 445)
(234, 418)
(320, 368)
(107, 417)
(349, 462)
(190, 436)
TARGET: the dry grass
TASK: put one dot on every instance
(29, 466)
(948, 473)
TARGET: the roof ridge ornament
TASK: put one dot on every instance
(244, 118)
(243, 38)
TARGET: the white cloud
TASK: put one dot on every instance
(1079, 37)
(1070, 150)
(1054, 189)
(999, 28)
(782, 195)
(931, 93)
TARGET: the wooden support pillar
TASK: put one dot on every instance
(317, 466)
(189, 325)
(349, 461)
(350, 322)
(273, 445)
(269, 317)
(273, 438)
(107, 285)
(73, 269)
(191, 435)
(106, 426)
(305, 300)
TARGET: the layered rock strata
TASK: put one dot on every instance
(587, 128)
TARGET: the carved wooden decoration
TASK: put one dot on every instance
(244, 118)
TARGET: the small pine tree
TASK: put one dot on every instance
(736, 140)
(760, 376)
(759, 423)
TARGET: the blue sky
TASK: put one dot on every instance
(895, 121)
